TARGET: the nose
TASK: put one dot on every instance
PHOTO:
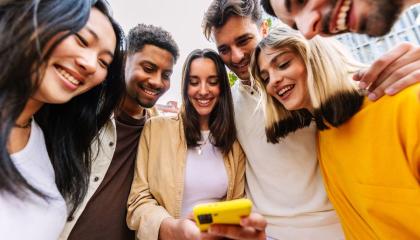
(156, 81)
(275, 78)
(237, 55)
(203, 89)
(87, 63)
(309, 23)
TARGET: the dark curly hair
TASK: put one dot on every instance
(143, 34)
(220, 11)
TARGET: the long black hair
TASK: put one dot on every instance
(221, 120)
(26, 28)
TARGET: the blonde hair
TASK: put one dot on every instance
(329, 70)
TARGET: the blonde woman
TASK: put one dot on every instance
(369, 152)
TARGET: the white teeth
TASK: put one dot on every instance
(285, 89)
(151, 92)
(67, 76)
(342, 15)
(203, 102)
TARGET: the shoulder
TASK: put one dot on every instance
(163, 122)
(407, 100)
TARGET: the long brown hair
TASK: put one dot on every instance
(221, 121)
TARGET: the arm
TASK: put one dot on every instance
(394, 71)
(144, 213)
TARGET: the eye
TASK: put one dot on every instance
(82, 41)
(264, 78)
(148, 69)
(166, 76)
(223, 50)
(194, 82)
(104, 63)
(284, 65)
(243, 41)
(214, 81)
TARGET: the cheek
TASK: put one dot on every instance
(100, 77)
(191, 91)
(269, 89)
(167, 85)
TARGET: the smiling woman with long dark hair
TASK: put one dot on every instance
(193, 157)
(59, 83)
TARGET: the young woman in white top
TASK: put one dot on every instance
(59, 83)
(188, 159)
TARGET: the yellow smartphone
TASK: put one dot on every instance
(226, 212)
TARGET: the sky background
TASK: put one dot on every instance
(182, 18)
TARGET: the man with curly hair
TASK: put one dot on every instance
(150, 57)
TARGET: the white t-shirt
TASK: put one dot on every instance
(283, 180)
(206, 178)
(33, 217)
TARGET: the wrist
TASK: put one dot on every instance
(166, 228)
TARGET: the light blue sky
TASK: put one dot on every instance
(182, 18)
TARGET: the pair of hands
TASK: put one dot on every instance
(394, 71)
(251, 227)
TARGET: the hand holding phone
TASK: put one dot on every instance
(226, 212)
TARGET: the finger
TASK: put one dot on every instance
(383, 62)
(254, 220)
(404, 76)
(206, 236)
(191, 216)
(190, 230)
(235, 232)
(393, 71)
(405, 82)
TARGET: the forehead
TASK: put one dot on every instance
(153, 54)
(200, 66)
(235, 27)
(101, 26)
(268, 54)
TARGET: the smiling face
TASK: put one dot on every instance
(148, 74)
(79, 62)
(329, 17)
(236, 40)
(203, 87)
(284, 76)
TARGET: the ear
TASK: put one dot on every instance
(264, 28)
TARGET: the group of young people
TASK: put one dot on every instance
(84, 157)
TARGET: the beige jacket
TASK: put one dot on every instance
(158, 183)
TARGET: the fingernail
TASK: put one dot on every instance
(372, 96)
(390, 91)
(362, 85)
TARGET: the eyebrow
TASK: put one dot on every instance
(90, 30)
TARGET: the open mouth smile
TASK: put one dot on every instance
(67, 76)
(284, 90)
(342, 17)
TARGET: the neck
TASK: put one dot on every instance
(31, 107)
(132, 108)
(204, 123)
